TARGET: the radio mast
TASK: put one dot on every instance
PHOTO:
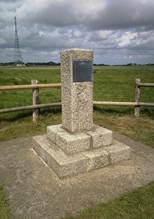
(18, 57)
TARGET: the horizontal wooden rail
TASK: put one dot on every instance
(145, 84)
(14, 109)
(114, 103)
(37, 106)
(146, 104)
(122, 103)
(29, 86)
(55, 85)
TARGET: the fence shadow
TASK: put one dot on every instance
(15, 116)
(121, 111)
(110, 110)
(113, 110)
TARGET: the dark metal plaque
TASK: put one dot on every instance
(82, 71)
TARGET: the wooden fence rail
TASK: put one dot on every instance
(145, 84)
(37, 106)
(29, 86)
(34, 86)
(123, 103)
(30, 107)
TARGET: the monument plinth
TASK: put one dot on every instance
(77, 90)
(77, 145)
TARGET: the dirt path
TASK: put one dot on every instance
(35, 192)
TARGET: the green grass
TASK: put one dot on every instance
(134, 205)
(138, 204)
(110, 84)
(16, 76)
(4, 210)
(117, 83)
(140, 129)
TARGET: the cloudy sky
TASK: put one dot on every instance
(119, 31)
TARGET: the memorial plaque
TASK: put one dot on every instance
(82, 71)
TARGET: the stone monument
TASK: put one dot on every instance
(78, 145)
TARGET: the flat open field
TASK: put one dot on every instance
(110, 84)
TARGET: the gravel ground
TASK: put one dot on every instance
(35, 192)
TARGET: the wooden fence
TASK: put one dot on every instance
(36, 106)
(137, 104)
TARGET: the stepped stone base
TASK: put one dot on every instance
(72, 143)
(68, 142)
(67, 157)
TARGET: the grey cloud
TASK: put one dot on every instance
(118, 31)
(54, 14)
(113, 15)
(8, 1)
(124, 14)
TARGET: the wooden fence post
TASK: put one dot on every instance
(137, 97)
(35, 100)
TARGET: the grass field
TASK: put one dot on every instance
(110, 83)
(4, 210)
(135, 205)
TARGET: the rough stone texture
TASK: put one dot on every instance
(69, 165)
(68, 142)
(118, 151)
(56, 159)
(96, 159)
(63, 146)
(100, 137)
(82, 106)
(52, 131)
(34, 191)
(77, 106)
(73, 143)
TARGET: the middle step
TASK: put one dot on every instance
(72, 143)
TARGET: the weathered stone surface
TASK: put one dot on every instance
(82, 106)
(56, 159)
(66, 165)
(100, 137)
(97, 159)
(77, 106)
(78, 146)
(52, 132)
(34, 191)
(73, 143)
(118, 152)
(68, 142)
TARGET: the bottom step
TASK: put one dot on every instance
(69, 165)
